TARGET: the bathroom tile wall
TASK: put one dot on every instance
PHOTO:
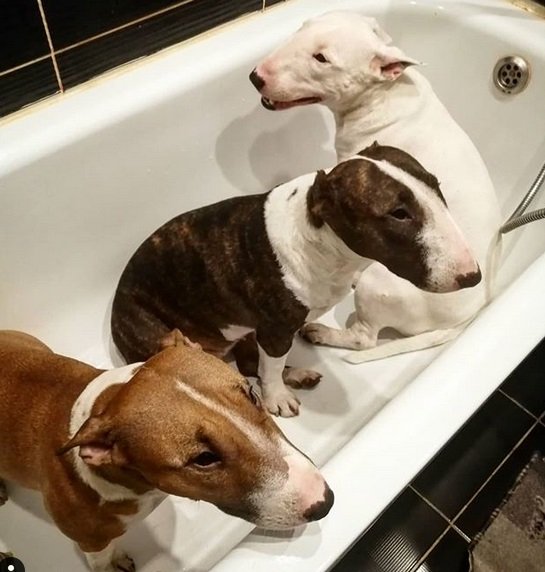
(47, 46)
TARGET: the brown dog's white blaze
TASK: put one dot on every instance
(214, 442)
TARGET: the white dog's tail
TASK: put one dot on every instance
(405, 345)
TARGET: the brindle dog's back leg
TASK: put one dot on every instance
(136, 332)
(3, 493)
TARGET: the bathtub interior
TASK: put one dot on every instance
(72, 218)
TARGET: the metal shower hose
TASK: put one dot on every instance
(518, 218)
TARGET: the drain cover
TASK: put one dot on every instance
(511, 74)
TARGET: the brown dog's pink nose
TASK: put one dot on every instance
(469, 280)
(257, 80)
(320, 509)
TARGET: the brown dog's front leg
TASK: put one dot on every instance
(110, 559)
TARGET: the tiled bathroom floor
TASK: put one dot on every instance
(429, 526)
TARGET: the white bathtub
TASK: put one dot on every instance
(85, 177)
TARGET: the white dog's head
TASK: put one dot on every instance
(331, 59)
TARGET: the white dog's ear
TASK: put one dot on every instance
(390, 62)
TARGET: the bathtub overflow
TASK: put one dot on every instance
(511, 74)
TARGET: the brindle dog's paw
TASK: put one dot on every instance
(3, 493)
(300, 378)
(315, 333)
(281, 402)
(124, 563)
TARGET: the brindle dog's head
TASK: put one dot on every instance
(386, 207)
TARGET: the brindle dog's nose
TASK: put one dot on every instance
(469, 280)
(257, 80)
(320, 509)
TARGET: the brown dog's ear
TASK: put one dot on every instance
(176, 338)
(318, 198)
(95, 442)
(390, 63)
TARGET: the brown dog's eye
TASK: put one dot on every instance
(320, 57)
(400, 214)
(205, 459)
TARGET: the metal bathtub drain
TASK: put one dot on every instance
(511, 74)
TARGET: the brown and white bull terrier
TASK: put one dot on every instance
(266, 263)
(105, 447)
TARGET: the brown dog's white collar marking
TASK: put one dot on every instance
(81, 411)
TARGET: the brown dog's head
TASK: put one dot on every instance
(386, 207)
(190, 425)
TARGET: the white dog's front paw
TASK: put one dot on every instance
(281, 402)
(316, 333)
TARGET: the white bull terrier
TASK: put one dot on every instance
(347, 62)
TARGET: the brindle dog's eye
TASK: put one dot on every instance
(205, 459)
(320, 58)
(400, 214)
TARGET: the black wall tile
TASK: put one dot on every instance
(22, 34)
(271, 2)
(70, 21)
(527, 382)
(83, 62)
(397, 540)
(469, 458)
(28, 84)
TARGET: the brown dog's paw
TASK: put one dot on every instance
(124, 563)
(299, 378)
(315, 333)
(3, 493)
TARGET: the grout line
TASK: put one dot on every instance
(516, 403)
(490, 477)
(123, 26)
(420, 561)
(26, 64)
(50, 43)
(440, 513)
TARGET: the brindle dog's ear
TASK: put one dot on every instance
(318, 197)
(367, 151)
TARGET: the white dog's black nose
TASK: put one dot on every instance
(257, 80)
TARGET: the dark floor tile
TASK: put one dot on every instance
(70, 22)
(476, 515)
(28, 84)
(465, 462)
(396, 541)
(22, 34)
(450, 555)
(88, 60)
(527, 383)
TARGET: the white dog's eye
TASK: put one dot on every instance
(320, 57)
